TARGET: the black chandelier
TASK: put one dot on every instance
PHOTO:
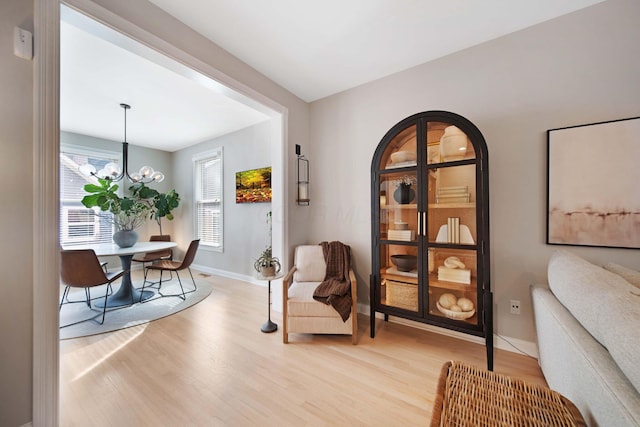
(113, 172)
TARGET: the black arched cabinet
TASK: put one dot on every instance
(430, 225)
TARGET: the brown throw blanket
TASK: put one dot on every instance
(335, 289)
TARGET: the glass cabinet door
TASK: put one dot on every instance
(398, 192)
(451, 223)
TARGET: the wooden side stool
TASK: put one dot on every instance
(470, 396)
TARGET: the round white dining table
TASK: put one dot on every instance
(127, 294)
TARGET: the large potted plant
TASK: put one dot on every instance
(163, 203)
(129, 212)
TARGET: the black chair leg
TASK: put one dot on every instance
(184, 297)
(104, 308)
(65, 293)
(144, 282)
(195, 287)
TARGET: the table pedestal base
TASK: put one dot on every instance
(120, 299)
(126, 294)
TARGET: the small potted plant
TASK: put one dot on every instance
(267, 265)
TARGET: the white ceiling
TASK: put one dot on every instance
(172, 107)
(319, 48)
(313, 49)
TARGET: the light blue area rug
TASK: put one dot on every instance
(81, 317)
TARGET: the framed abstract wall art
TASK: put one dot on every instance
(593, 184)
(253, 186)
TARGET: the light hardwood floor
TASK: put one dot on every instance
(211, 366)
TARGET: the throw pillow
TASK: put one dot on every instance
(310, 264)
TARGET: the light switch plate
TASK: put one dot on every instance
(22, 43)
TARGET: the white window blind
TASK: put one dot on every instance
(208, 199)
(80, 225)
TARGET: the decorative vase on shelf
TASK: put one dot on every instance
(125, 238)
(404, 194)
(453, 144)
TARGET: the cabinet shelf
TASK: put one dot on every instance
(469, 205)
(452, 286)
(411, 206)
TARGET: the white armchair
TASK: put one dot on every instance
(301, 312)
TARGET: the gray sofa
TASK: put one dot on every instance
(588, 327)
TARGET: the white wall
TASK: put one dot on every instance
(16, 163)
(577, 69)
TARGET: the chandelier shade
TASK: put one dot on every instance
(113, 171)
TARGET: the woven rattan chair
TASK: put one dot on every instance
(82, 269)
(175, 266)
(156, 255)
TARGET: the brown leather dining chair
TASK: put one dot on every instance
(156, 255)
(81, 269)
(175, 266)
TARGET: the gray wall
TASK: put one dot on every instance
(577, 69)
(16, 163)
(245, 228)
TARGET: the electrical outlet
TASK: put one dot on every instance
(515, 306)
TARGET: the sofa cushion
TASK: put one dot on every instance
(605, 304)
(581, 287)
(310, 264)
(623, 338)
(628, 274)
(301, 302)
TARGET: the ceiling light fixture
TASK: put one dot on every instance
(113, 171)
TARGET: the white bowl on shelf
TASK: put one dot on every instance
(456, 315)
(403, 156)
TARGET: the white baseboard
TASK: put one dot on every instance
(230, 275)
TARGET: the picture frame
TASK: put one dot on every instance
(253, 186)
(593, 184)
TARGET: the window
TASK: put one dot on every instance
(80, 225)
(208, 198)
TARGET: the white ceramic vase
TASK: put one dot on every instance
(453, 144)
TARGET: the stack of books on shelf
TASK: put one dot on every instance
(405, 235)
(457, 275)
(453, 230)
(453, 195)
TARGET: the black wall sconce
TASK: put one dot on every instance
(303, 179)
